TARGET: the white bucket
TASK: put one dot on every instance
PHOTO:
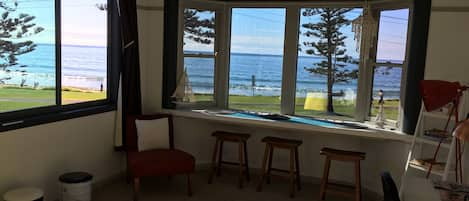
(76, 192)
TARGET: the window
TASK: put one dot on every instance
(84, 51)
(196, 82)
(256, 59)
(328, 61)
(391, 54)
(326, 82)
(27, 59)
(41, 73)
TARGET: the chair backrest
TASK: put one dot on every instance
(131, 137)
(389, 187)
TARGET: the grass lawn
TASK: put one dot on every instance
(345, 108)
(14, 98)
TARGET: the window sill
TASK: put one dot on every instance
(55, 117)
(370, 132)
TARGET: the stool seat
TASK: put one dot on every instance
(229, 136)
(281, 141)
(343, 155)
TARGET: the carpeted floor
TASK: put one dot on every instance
(224, 188)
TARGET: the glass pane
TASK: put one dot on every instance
(84, 50)
(392, 43)
(196, 83)
(392, 36)
(199, 31)
(257, 40)
(388, 81)
(27, 54)
(327, 73)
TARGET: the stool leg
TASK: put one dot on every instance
(220, 158)
(241, 165)
(292, 173)
(325, 178)
(264, 164)
(271, 154)
(297, 165)
(358, 192)
(214, 162)
(246, 160)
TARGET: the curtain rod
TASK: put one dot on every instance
(152, 8)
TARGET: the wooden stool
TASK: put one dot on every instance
(294, 171)
(239, 138)
(346, 156)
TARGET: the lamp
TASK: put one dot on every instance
(461, 133)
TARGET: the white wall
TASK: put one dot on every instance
(447, 55)
(38, 155)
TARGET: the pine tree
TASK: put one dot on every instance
(331, 45)
(198, 29)
(13, 31)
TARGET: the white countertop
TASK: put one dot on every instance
(372, 133)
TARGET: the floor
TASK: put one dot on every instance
(224, 188)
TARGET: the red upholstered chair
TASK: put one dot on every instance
(157, 162)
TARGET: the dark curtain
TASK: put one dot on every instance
(416, 63)
(170, 51)
(130, 72)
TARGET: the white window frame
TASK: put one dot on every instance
(290, 57)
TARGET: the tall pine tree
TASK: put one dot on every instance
(329, 43)
(13, 31)
(198, 29)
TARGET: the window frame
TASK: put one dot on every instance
(28, 117)
(404, 66)
(216, 56)
(290, 58)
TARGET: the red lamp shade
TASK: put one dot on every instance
(462, 131)
(438, 93)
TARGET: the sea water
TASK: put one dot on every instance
(86, 67)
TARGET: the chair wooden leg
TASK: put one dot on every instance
(460, 161)
(241, 165)
(214, 162)
(220, 158)
(264, 164)
(292, 173)
(324, 181)
(358, 187)
(246, 165)
(271, 154)
(297, 165)
(189, 185)
(136, 188)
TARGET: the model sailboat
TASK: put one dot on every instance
(183, 92)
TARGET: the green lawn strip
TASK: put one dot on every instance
(272, 104)
(26, 93)
(15, 98)
(12, 106)
(83, 96)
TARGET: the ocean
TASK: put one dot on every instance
(267, 71)
(85, 67)
(82, 67)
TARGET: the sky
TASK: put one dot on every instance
(82, 22)
(262, 30)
